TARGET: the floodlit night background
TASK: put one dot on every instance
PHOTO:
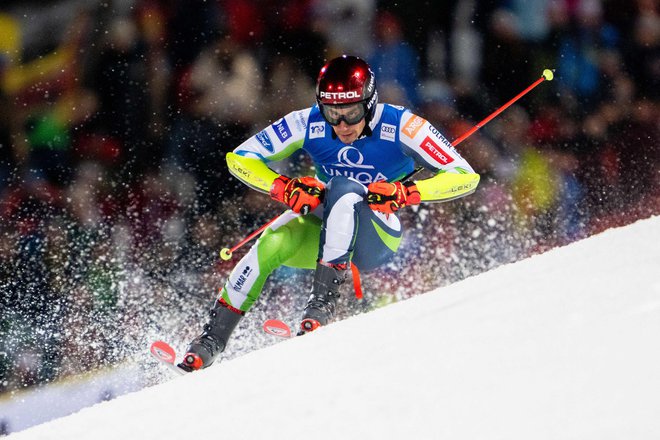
(115, 117)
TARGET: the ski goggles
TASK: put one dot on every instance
(349, 113)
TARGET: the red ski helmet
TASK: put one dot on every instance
(346, 90)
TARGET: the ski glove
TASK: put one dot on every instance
(302, 194)
(390, 197)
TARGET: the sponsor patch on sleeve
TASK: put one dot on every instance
(265, 141)
(301, 122)
(282, 130)
(435, 151)
(413, 125)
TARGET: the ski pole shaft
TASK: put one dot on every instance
(547, 75)
(226, 253)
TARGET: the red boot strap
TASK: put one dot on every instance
(357, 285)
(230, 307)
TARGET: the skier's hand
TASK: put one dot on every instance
(390, 197)
(302, 194)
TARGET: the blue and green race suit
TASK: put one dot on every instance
(343, 229)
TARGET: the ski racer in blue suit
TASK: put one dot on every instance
(345, 215)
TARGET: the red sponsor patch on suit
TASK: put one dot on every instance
(434, 150)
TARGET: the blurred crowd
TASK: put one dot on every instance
(114, 123)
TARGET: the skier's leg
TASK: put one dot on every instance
(351, 232)
(338, 231)
(289, 239)
(377, 239)
(284, 240)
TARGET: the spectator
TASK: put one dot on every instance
(643, 58)
(579, 34)
(502, 41)
(423, 26)
(395, 62)
(49, 135)
(288, 87)
(222, 90)
(346, 24)
(192, 25)
(121, 80)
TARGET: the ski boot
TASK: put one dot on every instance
(205, 348)
(320, 308)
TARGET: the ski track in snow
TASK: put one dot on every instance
(564, 345)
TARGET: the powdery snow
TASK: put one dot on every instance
(565, 345)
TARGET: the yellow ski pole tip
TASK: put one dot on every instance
(548, 75)
(225, 254)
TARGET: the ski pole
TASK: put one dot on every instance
(547, 75)
(226, 253)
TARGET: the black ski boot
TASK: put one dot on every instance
(320, 308)
(203, 350)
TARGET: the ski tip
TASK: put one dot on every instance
(163, 352)
(276, 327)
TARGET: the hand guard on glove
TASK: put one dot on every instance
(302, 194)
(390, 197)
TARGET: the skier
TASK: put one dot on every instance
(344, 215)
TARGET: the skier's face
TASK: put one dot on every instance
(347, 120)
(349, 133)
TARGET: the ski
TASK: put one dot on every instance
(277, 328)
(166, 355)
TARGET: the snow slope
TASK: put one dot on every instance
(564, 345)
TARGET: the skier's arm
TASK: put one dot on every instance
(447, 186)
(454, 176)
(251, 171)
(249, 161)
